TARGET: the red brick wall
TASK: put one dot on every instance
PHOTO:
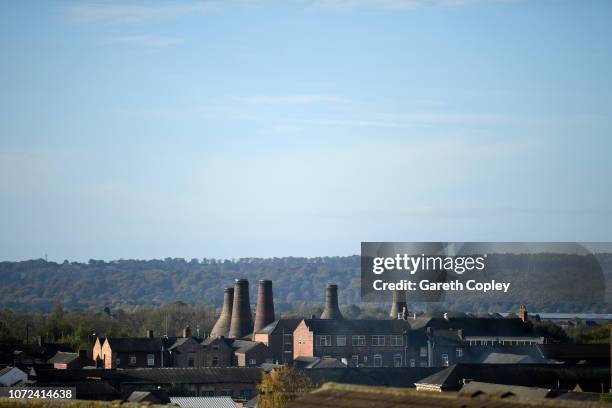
(303, 341)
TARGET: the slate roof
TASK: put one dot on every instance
(404, 377)
(201, 375)
(243, 346)
(348, 326)
(351, 396)
(203, 402)
(182, 340)
(288, 325)
(63, 358)
(318, 362)
(475, 326)
(140, 344)
(538, 375)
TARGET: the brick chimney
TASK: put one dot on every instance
(222, 326)
(242, 321)
(332, 311)
(264, 314)
(398, 304)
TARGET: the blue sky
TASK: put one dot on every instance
(262, 128)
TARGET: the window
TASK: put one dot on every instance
(324, 340)
(150, 360)
(459, 352)
(412, 362)
(423, 352)
(252, 361)
(445, 360)
(377, 360)
(358, 340)
(397, 340)
(190, 362)
(378, 340)
(132, 359)
(288, 339)
(215, 361)
(341, 340)
(397, 360)
(215, 347)
(355, 361)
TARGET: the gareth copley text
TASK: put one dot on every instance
(455, 285)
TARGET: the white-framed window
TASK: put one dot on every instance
(397, 360)
(252, 361)
(358, 340)
(324, 340)
(423, 352)
(341, 340)
(459, 352)
(378, 340)
(445, 360)
(150, 360)
(132, 359)
(412, 362)
(397, 340)
(377, 360)
(355, 360)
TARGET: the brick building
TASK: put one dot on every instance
(278, 336)
(375, 343)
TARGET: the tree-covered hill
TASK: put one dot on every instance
(35, 284)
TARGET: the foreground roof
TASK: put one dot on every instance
(201, 375)
(350, 396)
(63, 358)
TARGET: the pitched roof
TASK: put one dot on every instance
(347, 326)
(475, 388)
(203, 402)
(142, 344)
(243, 346)
(200, 375)
(63, 358)
(404, 377)
(286, 325)
(589, 378)
(476, 326)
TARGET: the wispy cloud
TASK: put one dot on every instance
(389, 4)
(144, 40)
(294, 99)
(117, 13)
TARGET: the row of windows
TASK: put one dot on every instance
(132, 360)
(359, 340)
(502, 342)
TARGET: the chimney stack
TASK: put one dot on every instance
(398, 304)
(523, 314)
(332, 311)
(149, 334)
(222, 326)
(187, 331)
(242, 321)
(264, 314)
